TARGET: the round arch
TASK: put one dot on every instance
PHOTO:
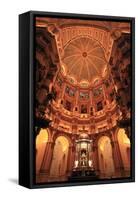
(59, 160)
(59, 134)
(106, 163)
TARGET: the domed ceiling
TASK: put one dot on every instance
(84, 60)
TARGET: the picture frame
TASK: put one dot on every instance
(76, 127)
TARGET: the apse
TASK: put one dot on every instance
(83, 92)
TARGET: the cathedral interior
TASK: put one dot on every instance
(82, 99)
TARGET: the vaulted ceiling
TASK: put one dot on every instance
(84, 46)
(84, 59)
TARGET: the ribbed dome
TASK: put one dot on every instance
(84, 59)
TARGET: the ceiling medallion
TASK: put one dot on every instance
(84, 54)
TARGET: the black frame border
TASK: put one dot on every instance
(31, 73)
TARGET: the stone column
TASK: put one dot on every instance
(95, 158)
(118, 162)
(69, 160)
(46, 162)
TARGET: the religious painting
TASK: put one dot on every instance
(97, 91)
(82, 80)
(70, 91)
(84, 95)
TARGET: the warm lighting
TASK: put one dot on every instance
(84, 145)
(126, 141)
(90, 163)
(104, 72)
(63, 69)
(64, 142)
(42, 137)
(87, 80)
(76, 163)
(101, 147)
(123, 137)
(84, 83)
